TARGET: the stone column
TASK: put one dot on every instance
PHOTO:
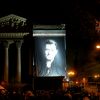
(6, 62)
(18, 70)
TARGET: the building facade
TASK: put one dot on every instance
(12, 31)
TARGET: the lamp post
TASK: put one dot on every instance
(71, 74)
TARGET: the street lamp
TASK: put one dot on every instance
(98, 46)
(96, 76)
(70, 75)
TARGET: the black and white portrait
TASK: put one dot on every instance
(50, 56)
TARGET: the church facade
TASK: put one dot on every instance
(13, 28)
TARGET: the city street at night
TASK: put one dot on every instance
(50, 50)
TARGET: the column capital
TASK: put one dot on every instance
(7, 43)
(19, 43)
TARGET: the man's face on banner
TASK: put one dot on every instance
(50, 50)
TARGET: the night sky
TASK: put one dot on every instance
(78, 15)
(49, 11)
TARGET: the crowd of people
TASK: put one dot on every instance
(26, 92)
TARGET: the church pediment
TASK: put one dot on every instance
(13, 23)
(13, 18)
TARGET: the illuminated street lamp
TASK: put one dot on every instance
(71, 73)
(96, 76)
(98, 46)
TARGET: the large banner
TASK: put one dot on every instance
(50, 55)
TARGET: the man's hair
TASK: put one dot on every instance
(51, 42)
